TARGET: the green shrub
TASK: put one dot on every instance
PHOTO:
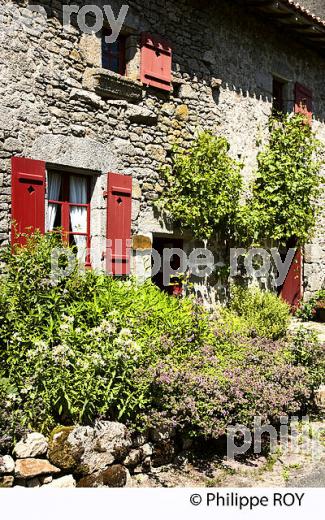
(93, 347)
(307, 310)
(254, 312)
(73, 349)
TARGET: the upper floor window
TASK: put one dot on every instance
(278, 96)
(69, 209)
(114, 54)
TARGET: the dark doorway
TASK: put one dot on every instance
(174, 286)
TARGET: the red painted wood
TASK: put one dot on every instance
(291, 291)
(119, 202)
(27, 197)
(304, 101)
(156, 62)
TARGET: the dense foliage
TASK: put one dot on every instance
(256, 313)
(287, 183)
(307, 310)
(203, 187)
(93, 347)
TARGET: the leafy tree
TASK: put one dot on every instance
(203, 187)
(287, 185)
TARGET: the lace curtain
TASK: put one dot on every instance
(78, 216)
(54, 181)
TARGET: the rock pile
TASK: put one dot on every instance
(106, 455)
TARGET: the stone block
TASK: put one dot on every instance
(114, 476)
(7, 465)
(67, 481)
(108, 84)
(182, 113)
(142, 242)
(29, 468)
(186, 91)
(34, 445)
(141, 115)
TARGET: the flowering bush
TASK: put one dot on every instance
(92, 347)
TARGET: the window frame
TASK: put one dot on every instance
(65, 206)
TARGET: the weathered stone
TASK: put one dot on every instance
(209, 57)
(135, 209)
(147, 450)
(163, 453)
(90, 49)
(84, 95)
(7, 465)
(33, 483)
(86, 450)
(216, 83)
(182, 113)
(63, 482)
(34, 445)
(61, 452)
(136, 190)
(45, 480)
(29, 468)
(7, 481)
(186, 91)
(115, 476)
(141, 115)
(134, 458)
(141, 242)
(108, 84)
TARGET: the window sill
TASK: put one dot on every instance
(110, 85)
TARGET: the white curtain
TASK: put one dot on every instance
(54, 180)
(78, 216)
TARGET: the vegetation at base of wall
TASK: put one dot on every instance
(203, 187)
(283, 204)
(254, 312)
(307, 311)
(92, 347)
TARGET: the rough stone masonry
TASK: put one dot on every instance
(58, 104)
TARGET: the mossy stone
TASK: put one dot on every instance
(61, 453)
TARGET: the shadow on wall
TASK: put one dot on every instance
(226, 41)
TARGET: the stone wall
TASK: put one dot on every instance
(54, 107)
(107, 455)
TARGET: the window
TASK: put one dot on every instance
(69, 209)
(278, 96)
(113, 54)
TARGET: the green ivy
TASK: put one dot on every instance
(287, 184)
(203, 187)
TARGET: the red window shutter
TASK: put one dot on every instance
(119, 201)
(304, 101)
(27, 197)
(156, 62)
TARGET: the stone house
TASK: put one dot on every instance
(85, 125)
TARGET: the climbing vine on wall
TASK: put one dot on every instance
(284, 197)
(203, 187)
